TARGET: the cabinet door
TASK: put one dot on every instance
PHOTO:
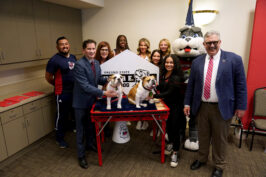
(9, 45)
(58, 16)
(49, 113)
(3, 153)
(34, 122)
(15, 135)
(43, 30)
(75, 35)
(26, 30)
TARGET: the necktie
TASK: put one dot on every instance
(207, 85)
(93, 67)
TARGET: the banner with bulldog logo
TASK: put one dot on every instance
(131, 66)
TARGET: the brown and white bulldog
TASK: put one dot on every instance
(115, 84)
(141, 91)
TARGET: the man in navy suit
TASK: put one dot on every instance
(87, 75)
(216, 92)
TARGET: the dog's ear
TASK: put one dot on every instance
(144, 77)
(109, 78)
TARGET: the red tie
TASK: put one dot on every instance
(207, 85)
(93, 67)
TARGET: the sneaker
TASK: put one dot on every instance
(145, 125)
(62, 144)
(158, 133)
(138, 126)
(169, 149)
(174, 160)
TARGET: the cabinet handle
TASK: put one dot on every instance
(28, 122)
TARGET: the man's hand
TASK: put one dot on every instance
(239, 113)
(187, 110)
(110, 93)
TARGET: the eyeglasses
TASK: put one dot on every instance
(104, 50)
(212, 42)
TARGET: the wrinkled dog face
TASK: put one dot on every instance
(189, 43)
(149, 82)
(116, 79)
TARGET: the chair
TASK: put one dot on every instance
(236, 122)
(259, 110)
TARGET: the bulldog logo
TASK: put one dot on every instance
(71, 65)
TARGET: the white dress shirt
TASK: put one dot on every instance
(213, 94)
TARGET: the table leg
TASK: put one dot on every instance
(154, 131)
(102, 133)
(98, 143)
(163, 140)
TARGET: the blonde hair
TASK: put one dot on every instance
(168, 52)
(147, 43)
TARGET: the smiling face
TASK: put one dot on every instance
(212, 44)
(122, 42)
(169, 64)
(156, 58)
(143, 47)
(63, 46)
(90, 51)
(163, 46)
(104, 52)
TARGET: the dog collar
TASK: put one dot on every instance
(145, 87)
(113, 87)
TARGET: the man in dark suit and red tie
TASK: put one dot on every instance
(87, 75)
(216, 92)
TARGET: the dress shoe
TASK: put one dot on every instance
(92, 147)
(196, 165)
(217, 172)
(83, 162)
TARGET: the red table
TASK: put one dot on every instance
(160, 113)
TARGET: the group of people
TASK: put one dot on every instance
(216, 91)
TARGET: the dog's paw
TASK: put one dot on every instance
(144, 104)
(137, 106)
(119, 106)
(108, 107)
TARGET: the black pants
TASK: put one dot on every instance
(174, 124)
(85, 130)
(63, 111)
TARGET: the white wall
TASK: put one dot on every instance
(157, 19)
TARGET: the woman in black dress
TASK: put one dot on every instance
(171, 78)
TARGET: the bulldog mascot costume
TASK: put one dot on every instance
(187, 47)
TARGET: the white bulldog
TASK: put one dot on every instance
(141, 91)
(115, 84)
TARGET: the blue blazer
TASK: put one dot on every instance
(86, 84)
(230, 84)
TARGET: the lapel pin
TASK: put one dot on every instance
(223, 60)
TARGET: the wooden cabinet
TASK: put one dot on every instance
(34, 120)
(3, 152)
(14, 128)
(49, 113)
(43, 29)
(29, 29)
(9, 45)
(25, 124)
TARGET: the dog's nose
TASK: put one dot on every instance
(188, 39)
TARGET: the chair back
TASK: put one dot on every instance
(260, 102)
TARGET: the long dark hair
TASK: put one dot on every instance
(153, 52)
(118, 48)
(177, 71)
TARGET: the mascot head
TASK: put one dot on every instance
(190, 41)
